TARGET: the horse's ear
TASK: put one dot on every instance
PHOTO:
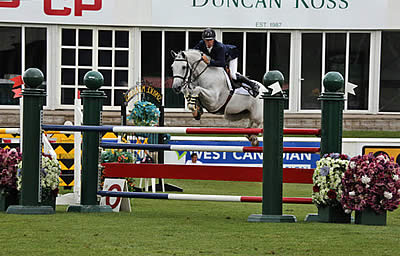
(173, 54)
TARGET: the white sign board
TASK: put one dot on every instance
(117, 203)
(257, 14)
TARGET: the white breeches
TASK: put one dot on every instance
(233, 64)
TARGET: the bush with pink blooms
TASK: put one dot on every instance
(371, 182)
(9, 159)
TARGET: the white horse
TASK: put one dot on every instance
(208, 87)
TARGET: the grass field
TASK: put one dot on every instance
(166, 227)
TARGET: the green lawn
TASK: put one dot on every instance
(166, 227)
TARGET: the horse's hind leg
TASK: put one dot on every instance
(253, 137)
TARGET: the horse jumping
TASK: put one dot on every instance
(208, 87)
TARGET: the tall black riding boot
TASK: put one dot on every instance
(255, 88)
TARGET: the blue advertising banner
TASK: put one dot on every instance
(290, 160)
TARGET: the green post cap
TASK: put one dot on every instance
(33, 77)
(333, 82)
(93, 80)
(273, 76)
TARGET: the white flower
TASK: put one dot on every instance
(387, 195)
(396, 177)
(348, 211)
(352, 193)
(353, 165)
(365, 179)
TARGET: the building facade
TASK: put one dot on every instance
(130, 41)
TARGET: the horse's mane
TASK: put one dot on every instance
(191, 54)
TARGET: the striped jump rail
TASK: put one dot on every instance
(175, 130)
(168, 147)
(198, 197)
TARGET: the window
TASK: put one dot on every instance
(280, 58)
(11, 57)
(173, 41)
(10, 62)
(359, 70)
(390, 76)
(104, 50)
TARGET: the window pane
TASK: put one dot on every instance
(359, 70)
(10, 63)
(107, 77)
(390, 75)
(280, 58)
(335, 53)
(68, 37)
(151, 57)
(85, 57)
(107, 101)
(105, 38)
(105, 58)
(194, 38)
(119, 97)
(235, 38)
(311, 70)
(81, 75)
(121, 58)
(85, 37)
(36, 49)
(256, 55)
(68, 57)
(67, 96)
(67, 76)
(173, 41)
(122, 39)
(121, 78)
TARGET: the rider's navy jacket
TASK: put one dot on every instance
(217, 53)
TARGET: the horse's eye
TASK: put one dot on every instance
(184, 67)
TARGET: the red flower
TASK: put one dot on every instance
(315, 189)
(332, 194)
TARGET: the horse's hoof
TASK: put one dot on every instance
(255, 143)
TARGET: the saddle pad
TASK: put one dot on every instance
(240, 91)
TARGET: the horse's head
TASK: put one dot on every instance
(184, 68)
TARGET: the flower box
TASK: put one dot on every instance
(369, 217)
(371, 187)
(7, 199)
(333, 215)
(327, 189)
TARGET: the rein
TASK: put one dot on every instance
(189, 78)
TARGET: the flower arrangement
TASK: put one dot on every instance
(327, 179)
(371, 182)
(118, 156)
(144, 113)
(9, 159)
(49, 177)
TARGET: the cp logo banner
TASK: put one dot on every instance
(391, 151)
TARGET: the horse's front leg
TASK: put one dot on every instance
(193, 102)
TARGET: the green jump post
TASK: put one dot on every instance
(332, 105)
(92, 107)
(272, 154)
(34, 99)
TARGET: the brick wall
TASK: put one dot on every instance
(387, 122)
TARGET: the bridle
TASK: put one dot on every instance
(190, 74)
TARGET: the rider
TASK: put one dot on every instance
(220, 55)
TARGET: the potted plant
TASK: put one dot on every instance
(49, 180)
(371, 187)
(327, 189)
(9, 159)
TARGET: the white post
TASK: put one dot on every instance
(78, 117)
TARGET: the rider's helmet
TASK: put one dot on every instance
(208, 34)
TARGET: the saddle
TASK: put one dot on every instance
(251, 87)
